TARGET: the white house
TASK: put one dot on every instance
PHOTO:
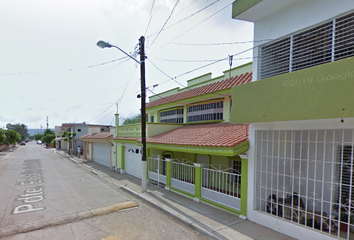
(300, 107)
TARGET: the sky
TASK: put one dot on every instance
(51, 67)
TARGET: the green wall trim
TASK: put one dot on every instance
(168, 174)
(193, 100)
(240, 6)
(168, 109)
(116, 148)
(147, 162)
(218, 151)
(122, 156)
(181, 192)
(206, 201)
(198, 181)
(125, 141)
(320, 92)
(199, 122)
(217, 205)
(244, 184)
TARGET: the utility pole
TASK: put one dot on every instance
(143, 113)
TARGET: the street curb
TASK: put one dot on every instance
(65, 219)
(170, 214)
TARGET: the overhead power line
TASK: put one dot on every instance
(63, 70)
(165, 73)
(184, 19)
(200, 22)
(222, 43)
(150, 17)
(164, 23)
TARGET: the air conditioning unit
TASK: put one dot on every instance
(113, 168)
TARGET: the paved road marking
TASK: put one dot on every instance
(31, 175)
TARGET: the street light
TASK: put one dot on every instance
(103, 44)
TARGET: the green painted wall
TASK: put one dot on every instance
(320, 92)
(199, 79)
(153, 129)
(119, 155)
(226, 110)
(239, 6)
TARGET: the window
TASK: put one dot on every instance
(330, 41)
(151, 118)
(312, 47)
(344, 37)
(172, 116)
(275, 58)
(79, 130)
(205, 112)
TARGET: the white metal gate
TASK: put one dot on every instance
(157, 171)
(221, 185)
(183, 175)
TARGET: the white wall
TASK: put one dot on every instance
(296, 17)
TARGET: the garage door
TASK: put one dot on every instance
(132, 160)
(101, 153)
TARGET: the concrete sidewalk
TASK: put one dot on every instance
(207, 220)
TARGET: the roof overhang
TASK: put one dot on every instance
(253, 10)
(218, 151)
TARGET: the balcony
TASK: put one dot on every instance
(152, 129)
(321, 92)
(253, 10)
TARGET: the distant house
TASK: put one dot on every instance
(81, 129)
(98, 145)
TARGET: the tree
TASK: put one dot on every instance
(132, 120)
(48, 131)
(12, 137)
(19, 128)
(48, 138)
(2, 136)
(37, 137)
(68, 136)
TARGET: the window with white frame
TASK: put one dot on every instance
(172, 116)
(329, 41)
(306, 177)
(205, 112)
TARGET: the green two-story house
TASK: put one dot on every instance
(192, 148)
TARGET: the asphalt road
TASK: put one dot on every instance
(39, 186)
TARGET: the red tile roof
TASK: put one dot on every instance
(204, 135)
(83, 137)
(103, 135)
(210, 88)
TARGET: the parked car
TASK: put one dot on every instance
(39, 142)
(23, 143)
